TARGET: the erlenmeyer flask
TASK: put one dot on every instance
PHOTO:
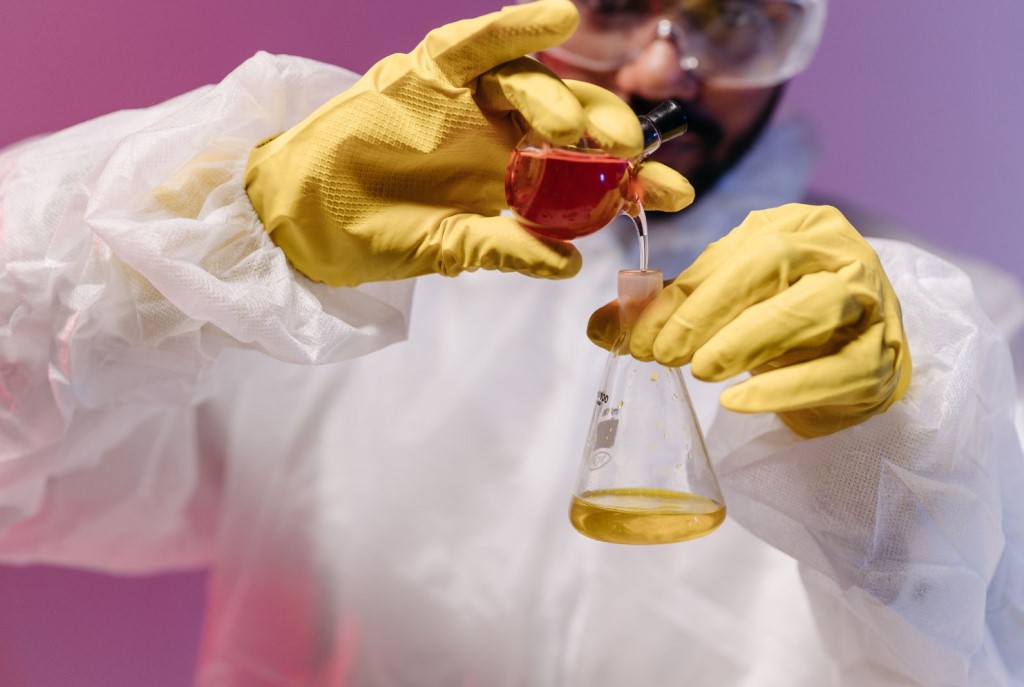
(645, 477)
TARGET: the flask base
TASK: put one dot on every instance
(644, 516)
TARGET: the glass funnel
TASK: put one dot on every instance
(645, 476)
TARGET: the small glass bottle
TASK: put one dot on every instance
(645, 476)
(565, 192)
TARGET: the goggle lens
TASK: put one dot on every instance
(732, 42)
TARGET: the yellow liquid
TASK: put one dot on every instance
(644, 516)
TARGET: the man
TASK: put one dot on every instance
(398, 516)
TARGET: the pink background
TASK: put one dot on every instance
(919, 105)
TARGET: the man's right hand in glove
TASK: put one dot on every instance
(403, 174)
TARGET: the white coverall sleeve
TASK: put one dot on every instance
(129, 257)
(909, 528)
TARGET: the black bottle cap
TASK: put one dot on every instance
(663, 123)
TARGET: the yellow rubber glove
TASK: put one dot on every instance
(403, 174)
(798, 297)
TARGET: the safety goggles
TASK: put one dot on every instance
(730, 43)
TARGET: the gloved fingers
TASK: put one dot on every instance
(712, 258)
(543, 101)
(862, 374)
(610, 122)
(604, 325)
(465, 49)
(653, 320)
(759, 269)
(804, 316)
(471, 242)
(662, 188)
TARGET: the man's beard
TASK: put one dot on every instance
(715, 161)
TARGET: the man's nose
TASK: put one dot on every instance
(656, 74)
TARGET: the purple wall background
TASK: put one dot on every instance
(918, 104)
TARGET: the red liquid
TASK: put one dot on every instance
(564, 194)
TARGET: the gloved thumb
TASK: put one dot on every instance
(604, 326)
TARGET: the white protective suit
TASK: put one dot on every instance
(388, 512)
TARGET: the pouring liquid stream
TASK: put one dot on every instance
(640, 221)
